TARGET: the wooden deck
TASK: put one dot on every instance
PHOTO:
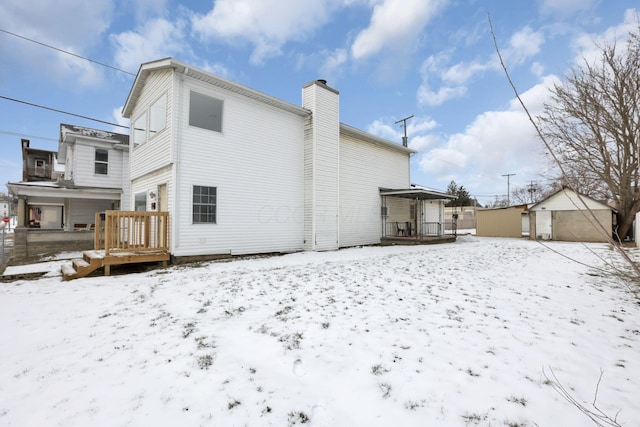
(123, 237)
(420, 240)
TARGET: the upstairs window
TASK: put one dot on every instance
(150, 122)
(101, 162)
(158, 115)
(204, 205)
(140, 130)
(41, 167)
(205, 112)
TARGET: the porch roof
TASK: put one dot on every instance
(54, 189)
(416, 193)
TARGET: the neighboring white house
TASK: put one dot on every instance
(91, 176)
(243, 172)
(569, 216)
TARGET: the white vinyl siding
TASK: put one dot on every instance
(156, 152)
(364, 168)
(322, 150)
(84, 173)
(258, 173)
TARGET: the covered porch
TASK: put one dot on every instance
(413, 216)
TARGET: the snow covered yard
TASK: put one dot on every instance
(446, 335)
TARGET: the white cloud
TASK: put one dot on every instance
(265, 24)
(146, 9)
(564, 8)
(432, 69)
(417, 128)
(523, 45)
(537, 69)
(394, 23)
(462, 72)
(157, 39)
(585, 44)
(217, 69)
(333, 64)
(495, 142)
(116, 113)
(426, 96)
(53, 23)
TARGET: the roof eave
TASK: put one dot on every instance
(357, 133)
(417, 194)
(206, 77)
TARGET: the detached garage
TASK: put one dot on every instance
(502, 222)
(563, 216)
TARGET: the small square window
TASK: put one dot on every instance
(204, 204)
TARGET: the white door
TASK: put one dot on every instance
(543, 225)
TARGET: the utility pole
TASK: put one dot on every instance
(532, 189)
(405, 141)
(508, 175)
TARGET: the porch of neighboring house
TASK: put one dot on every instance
(413, 217)
(123, 237)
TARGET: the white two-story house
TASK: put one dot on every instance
(243, 172)
(91, 174)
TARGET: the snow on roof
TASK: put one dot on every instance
(66, 130)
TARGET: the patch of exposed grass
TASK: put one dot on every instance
(205, 361)
(297, 418)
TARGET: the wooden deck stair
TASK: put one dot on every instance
(123, 237)
(81, 267)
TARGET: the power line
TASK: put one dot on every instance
(66, 52)
(4, 132)
(63, 112)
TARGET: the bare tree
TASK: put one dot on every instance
(592, 122)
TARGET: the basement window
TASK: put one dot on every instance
(204, 204)
(205, 112)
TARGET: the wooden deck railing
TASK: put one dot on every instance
(132, 231)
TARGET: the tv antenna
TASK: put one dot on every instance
(405, 141)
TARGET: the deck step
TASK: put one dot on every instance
(68, 272)
(92, 255)
(79, 263)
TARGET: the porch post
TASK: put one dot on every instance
(22, 212)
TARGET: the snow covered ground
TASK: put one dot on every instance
(457, 334)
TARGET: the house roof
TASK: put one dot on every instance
(57, 189)
(522, 207)
(359, 134)
(579, 200)
(204, 76)
(416, 193)
(69, 134)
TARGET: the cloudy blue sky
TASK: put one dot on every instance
(389, 59)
